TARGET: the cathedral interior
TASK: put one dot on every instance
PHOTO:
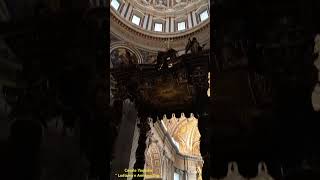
(159, 89)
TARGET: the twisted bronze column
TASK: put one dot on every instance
(144, 127)
(200, 83)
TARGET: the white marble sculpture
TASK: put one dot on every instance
(262, 172)
(233, 172)
(316, 92)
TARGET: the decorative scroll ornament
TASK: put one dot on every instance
(316, 92)
(233, 172)
(262, 172)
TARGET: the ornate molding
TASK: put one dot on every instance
(154, 41)
(178, 9)
(130, 47)
(159, 35)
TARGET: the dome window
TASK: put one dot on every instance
(158, 27)
(176, 176)
(181, 26)
(115, 4)
(136, 20)
(204, 15)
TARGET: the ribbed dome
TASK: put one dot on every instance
(158, 17)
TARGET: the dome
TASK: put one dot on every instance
(153, 24)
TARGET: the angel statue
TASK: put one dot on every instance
(194, 46)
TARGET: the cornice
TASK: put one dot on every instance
(155, 41)
(158, 35)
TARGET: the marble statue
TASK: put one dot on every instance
(194, 46)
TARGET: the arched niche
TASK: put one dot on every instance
(119, 55)
(119, 52)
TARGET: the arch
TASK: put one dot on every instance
(184, 131)
(133, 50)
(121, 45)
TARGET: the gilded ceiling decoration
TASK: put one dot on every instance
(185, 132)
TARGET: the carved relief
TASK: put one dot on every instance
(153, 160)
(185, 132)
(166, 3)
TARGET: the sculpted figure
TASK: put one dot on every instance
(194, 46)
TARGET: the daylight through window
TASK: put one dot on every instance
(204, 15)
(115, 4)
(136, 20)
(158, 27)
(181, 26)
